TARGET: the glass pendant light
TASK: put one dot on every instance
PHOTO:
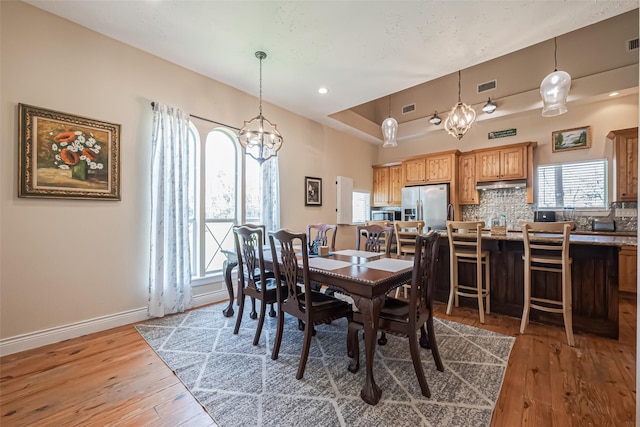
(489, 107)
(390, 130)
(435, 119)
(461, 117)
(259, 137)
(554, 89)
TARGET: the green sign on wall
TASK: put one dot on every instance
(501, 133)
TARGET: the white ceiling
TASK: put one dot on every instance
(359, 50)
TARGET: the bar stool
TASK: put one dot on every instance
(546, 248)
(406, 232)
(465, 245)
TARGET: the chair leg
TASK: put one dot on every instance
(253, 313)
(487, 283)
(353, 347)
(308, 332)
(263, 309)
(453, 285)
(480, 290)
(404, 291)
(240, 312)
(397, 293)
(278, 341)
(383, 339)
(567, 312)
(272, 312)
(527, 298)
(417, 365)
(433, 344)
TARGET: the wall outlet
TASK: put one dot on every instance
(626, 213)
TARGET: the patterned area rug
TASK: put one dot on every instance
(239, 384)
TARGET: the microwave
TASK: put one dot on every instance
(386, 215)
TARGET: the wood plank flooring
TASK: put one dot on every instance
(114, 378)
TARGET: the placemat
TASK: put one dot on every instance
(326, 264)
(389, 264)
(361, 254)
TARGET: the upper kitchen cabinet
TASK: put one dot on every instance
(387, 185)
(501, 164)
(625, 155)
(468, 194)
(430, 169)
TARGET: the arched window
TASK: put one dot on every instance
(226, 192)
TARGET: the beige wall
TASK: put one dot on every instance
(67, 262)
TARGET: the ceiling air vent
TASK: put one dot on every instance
(632, 44)
(408, 108)
(483, 87)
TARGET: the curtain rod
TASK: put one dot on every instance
(207, 120)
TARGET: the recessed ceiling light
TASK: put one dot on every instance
(323, 90)
(614, 93)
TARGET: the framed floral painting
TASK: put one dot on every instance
(67, 156)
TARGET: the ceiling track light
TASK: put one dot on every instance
(435, 119)
(390, 130)
(461, 117)
(489, 107)
(554, 89)
(259, 137)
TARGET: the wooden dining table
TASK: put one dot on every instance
(367, 277)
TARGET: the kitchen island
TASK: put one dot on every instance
(594, 280)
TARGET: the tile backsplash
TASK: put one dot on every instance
(512, 203)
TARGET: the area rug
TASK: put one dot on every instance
(239, 385)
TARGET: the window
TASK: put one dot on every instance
(573, 185)
(221, 174)
(361, 208)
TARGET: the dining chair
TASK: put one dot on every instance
(405, 232)
(253, 280)
(376, 238)
(405, 318)
(302, 302)
(272, 312)
(324, 234)
(548, 253)
(465, 245)
(382, 223)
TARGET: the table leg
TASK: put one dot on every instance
(370, 309)
(228, 267)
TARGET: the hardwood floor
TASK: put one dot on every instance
(114, 378)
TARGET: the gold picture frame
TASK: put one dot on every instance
(571, 139)
(66, 156)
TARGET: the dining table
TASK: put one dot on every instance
(367, 277)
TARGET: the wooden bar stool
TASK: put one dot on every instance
(406, 232)
(465, 245)
(546, 248)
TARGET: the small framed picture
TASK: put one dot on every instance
(312, 191)
(571, 139)
(66, 156)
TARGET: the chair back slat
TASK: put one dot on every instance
(546, 240)
(465, 236)
(249, 250)
(423, 279)
(325, 235)
(376, 238)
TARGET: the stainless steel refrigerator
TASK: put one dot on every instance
(428, 203)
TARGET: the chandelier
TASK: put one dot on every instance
(554, 89)
(390, 129)
(460, 118)
(259, 137)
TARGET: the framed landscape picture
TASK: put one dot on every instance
(571, 139)
(67, 156)
(312, 191)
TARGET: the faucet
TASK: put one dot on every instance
(450, 212)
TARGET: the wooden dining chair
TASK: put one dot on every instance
(546, 250)
(382, 223)
(406, 232)
(405, 318)
(304, 303)
(376, 238)
(254, 314)
(253, 280)
(325, 234)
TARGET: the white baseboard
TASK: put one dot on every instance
(35, 339)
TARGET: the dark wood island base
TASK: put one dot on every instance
(594, 281)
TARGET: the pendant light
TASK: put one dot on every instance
(461, 116)
(489, 107)
(390, 130)
(554, 89)
(259, 137)
(435, 119)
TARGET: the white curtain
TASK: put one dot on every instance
(170, 266)
(270, 183)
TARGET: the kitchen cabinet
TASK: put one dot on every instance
(628, 268)
(387, 185)
(468, 194)
(502, 164)
(625, 155)
(431, 169)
